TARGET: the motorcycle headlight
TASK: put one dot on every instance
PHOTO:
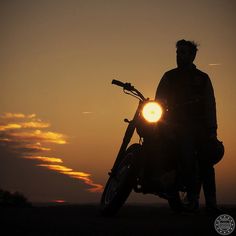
(152, 112)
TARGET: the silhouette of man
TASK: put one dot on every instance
(189, 94)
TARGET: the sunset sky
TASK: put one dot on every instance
(61, 120)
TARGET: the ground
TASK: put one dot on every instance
(146, 220)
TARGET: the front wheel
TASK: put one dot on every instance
(118, 186)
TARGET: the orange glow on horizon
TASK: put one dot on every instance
(59, 201)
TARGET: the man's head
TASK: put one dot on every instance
(185, 52)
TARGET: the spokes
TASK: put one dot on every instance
(111, 191)
(116, 184)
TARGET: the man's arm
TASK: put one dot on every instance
(211, 120)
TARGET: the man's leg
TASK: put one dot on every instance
(209, 185)
(189, 167)
(209, 188)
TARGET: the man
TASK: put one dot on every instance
(189, 95)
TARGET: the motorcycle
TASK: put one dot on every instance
(150, 166)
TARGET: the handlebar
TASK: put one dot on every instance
(117, 82)
(128, 87)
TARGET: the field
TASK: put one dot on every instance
(79, 220)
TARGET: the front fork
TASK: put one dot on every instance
(127, 137)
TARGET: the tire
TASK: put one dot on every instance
(119, 185)
(176, 202)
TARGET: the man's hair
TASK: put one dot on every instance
(191, 44)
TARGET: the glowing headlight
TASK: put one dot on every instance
(152, 112)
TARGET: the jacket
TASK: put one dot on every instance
(190, 99)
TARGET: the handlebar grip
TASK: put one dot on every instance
(118, 83)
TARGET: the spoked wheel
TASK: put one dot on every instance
(119, 186)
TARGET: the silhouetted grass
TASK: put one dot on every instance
(16, 199)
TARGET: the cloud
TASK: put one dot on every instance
(214, 64)
(45, 159)
(9, 126)
(39, 136)
(23, 135)
(8, 115)
(87, 112)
